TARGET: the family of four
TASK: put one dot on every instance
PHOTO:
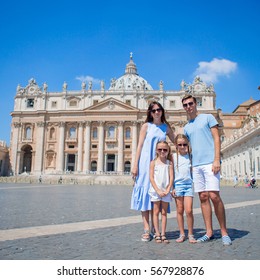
(160, 175)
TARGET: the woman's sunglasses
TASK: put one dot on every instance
(156, 110)
(182, 145)
(162, 150)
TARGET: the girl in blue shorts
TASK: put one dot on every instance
(183, 190)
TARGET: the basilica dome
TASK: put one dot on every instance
(130, 80)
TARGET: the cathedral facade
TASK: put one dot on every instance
(89, 131)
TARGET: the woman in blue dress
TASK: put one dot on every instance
(152, 131)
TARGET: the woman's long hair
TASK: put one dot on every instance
(149, 117)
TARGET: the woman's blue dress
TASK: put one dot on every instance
(140, 197)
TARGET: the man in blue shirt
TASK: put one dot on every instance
(202, 131)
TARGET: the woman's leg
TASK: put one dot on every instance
(145, 217)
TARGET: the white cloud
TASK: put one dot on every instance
(209, 72)
(87, 79)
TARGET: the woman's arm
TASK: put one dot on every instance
(139, 149)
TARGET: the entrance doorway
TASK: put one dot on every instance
(111, 162)
(71, 162)
(27, 159)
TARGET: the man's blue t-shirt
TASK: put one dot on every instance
(202, 143)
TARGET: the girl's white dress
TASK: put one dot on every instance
(161, 178)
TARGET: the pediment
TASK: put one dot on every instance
(111, 104)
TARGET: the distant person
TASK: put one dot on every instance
(202, 132)
(155, 129)
(252, 182)
(235, 179)
(246, 179)
(60, 180)
(183, 189)
(161, 177)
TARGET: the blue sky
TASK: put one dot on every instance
(57, 41)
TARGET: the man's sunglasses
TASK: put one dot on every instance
(156, 110)
(164, 150)
(185, 105)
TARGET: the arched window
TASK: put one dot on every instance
(73, 103)
(72, 133)
(52, 133)
(128, 133)
(94, 166)
(28, 133)
(94, 133)
(111, 132)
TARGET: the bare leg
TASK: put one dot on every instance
(156, 212)
(188, 202)
(164, 221)
(180, 210)
(206, 212)
(219, 211)
(164, 216)
(145, 217)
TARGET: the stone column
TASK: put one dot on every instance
(15, 157)
(80, 147)
(120, 147)
(39, 156)
(105, 166)
(61, 144)
(86, 162)
(66, 162)
(134, 141)
(100, 163)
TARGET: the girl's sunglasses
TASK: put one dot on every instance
(156, 110)
(182, 145)
(162, 150)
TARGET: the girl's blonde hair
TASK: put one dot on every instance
(182, 136)
(169, 157)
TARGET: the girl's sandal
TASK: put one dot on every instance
(165, 240)
(192, 239)
(158, 239)
(181, 238)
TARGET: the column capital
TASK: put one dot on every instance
(17, 124)
(81, 124)
(40, 124)
(101, 123)
(61, 124)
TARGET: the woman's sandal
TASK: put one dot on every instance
(158, 239)
(146, 236)
(192, 239)
(164, 239)
(181, 238)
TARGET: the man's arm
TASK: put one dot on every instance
(216, 162)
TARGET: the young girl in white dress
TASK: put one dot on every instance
(161, 177)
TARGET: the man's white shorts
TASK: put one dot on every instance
(204, 179)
